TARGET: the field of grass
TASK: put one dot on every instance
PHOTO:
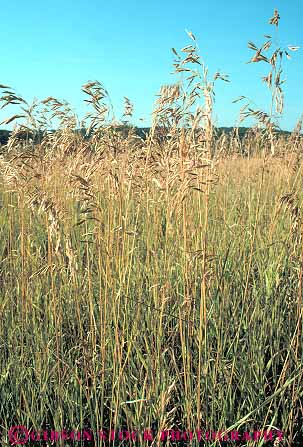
(152, 283)
(152, 288)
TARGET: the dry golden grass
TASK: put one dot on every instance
(151, 282)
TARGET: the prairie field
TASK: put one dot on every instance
(152, 282)
(150, 288)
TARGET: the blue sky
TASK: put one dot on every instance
(53, 48)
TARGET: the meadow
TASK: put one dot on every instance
(151, 283)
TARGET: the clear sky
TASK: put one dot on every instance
(54, 47)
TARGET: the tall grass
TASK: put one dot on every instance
(151, 283)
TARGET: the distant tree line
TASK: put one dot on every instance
(140, 131)
(4, 136)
